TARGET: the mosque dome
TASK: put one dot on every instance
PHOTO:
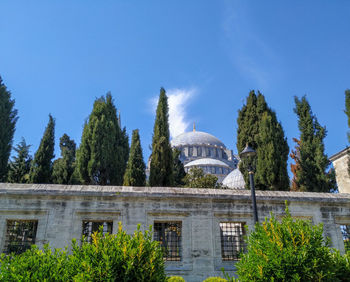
(206, 162)
(234, 180)
(196, 138)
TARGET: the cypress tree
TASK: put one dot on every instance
(179, 170)
(135, 174)
(63, 167)
(161, 167)
(104, 149)
(20, 165)
(41, 168)
(8, 119)
(258, 127)
(313, 162)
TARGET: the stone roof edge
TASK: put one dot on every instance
(339, 154)
(125, 191)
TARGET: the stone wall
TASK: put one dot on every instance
(61, 209)
(340, 163)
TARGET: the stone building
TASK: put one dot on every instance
(340, 163)
(202, 229)
(205, 151)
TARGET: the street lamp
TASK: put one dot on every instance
(245, 154)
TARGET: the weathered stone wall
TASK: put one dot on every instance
(60, 210)
(340, 163)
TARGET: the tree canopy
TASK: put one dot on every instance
(179, 170)
(311, 161)
(63, 167)
(8, 119)
(161, 167)
(135, 174)
(41, 168)
(196, 178)
(20, 165)
(104, 147)
(258, 126)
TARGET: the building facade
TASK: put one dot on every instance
(340, 162)
(205, 151)
(202, 229)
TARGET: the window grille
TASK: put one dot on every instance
(20, 235)
(89, 227)
(169, 236)
(232, 240)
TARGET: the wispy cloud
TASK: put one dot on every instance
(178, 100)
(249, 52)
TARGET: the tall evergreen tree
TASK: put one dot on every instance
(41, 168)
(179, 170)
(258, 127)
(313, 162)
(347, 112)
(63, 167)
(8, 119)
(161, 167)
(135, 174)
(20, 165)
(104, 149)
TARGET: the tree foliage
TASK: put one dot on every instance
(196, 178)
(311, 161)
(161, 167)
(295, 168)
(291, 250)
(135, 174)
(8, 119)
(20, 165)
(41, 168)
(63, 167)
(104, 147)
(110, 257)
(258, 126)
(179, 170)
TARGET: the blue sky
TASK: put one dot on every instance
(58, 56)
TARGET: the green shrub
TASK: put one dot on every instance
(110, 257)
(175, 279)
(291, 250)
(215, 279)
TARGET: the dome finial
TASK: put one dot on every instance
(194, 126)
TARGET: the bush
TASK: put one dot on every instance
(215, 279)
(110, 257)
(175, 279)
(291, 250)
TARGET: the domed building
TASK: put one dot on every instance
(234, 180)
(203, 150)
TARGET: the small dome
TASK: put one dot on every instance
(234, 180)
(196, 138)
(206, 162)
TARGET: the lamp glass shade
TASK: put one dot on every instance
(247, 152)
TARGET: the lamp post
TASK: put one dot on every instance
(250, 152)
